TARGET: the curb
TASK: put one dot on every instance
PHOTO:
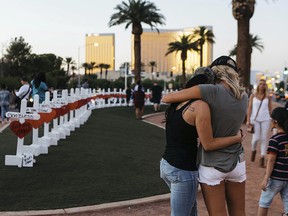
(151, 115)
(3, 127)
(94, 208)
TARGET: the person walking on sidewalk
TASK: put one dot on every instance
(128, 95)
(156, 95)
(222, 173)
(258, 114)
(4, 103)
(276, 176)
(139, 101)
(184, 122)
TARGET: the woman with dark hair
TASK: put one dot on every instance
(39, 86)
(276, 176)
(178, 168)
(139, 101)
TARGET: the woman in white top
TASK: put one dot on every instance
(261, 120)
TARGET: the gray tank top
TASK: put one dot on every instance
(227, 116)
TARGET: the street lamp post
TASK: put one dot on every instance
(126, 68)
(79, 85)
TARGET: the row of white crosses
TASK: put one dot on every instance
(63, 124)
(71, 112)
(116, 98)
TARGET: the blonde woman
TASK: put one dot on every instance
(222, 173)
(258, 114)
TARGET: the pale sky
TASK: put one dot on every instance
(59, 26)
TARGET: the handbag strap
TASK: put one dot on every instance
(259, 107)
(26, 92)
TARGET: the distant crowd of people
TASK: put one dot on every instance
(138, 96)
(27, 91)
(11, 99)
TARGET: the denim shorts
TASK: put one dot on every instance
(274, 187)
(183, 185)
(212, 176)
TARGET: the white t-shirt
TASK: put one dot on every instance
(136, 88)
(23, 91)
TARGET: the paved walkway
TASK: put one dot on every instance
(159, 205)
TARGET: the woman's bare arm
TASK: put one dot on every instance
(270, 105)
(249, 109)
(182, 95)
(205, 133)
(269, 168)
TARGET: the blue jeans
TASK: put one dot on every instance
(183, 185)
(4, 109)
(274, 187)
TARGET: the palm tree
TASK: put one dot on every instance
(85, 66)
(134, 13)
(92, 65)
(202, 36)
(106, 66)
(73, 68)
(152, 64)
(255, 42)
(183, 45)
(69, 61)
(243, 10)
(101, 66)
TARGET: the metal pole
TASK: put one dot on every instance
(125, 71)
(79, 85)
(165, 77)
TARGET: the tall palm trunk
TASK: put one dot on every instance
(106, 73)
(201, 55)
(137, 57)
(183, 73)
(243, 56)
(183, 58)
(242, 11)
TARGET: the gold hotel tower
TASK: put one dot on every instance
(100, 48)
(154, 46)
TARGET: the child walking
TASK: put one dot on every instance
(276, 177)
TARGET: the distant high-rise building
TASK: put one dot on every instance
(154, 46)
(100, 49)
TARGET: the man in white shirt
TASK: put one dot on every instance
(24, 91)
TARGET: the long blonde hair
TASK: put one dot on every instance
(228, 75)
(266, 89)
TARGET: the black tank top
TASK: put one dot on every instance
(181, 141)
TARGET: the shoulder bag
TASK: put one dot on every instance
(18, 99)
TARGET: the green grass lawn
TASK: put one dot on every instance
(112, 157)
